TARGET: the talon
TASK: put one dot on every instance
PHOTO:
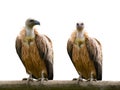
(80, 78)
(74, 79)
(29, 79)
(42, 79)
(24, 79)
(89, 80)
(91, 77)
(77, 79)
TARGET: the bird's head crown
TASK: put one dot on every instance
(31, 22)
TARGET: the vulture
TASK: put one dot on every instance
(35, 51)
(85, 53)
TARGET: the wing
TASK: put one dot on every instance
(69, 48)
(44, 46)
(70, 51)
(70, 44)
(95, 52)
(18, 45)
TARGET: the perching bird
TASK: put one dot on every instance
(35, 51)
(85, 53)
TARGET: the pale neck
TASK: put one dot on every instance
(29, 32)
(80, 34)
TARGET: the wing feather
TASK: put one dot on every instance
(95, 53)
(69, 48)
(44, 46)
(18, 45)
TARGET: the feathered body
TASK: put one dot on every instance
(86, 54)
(36, 54)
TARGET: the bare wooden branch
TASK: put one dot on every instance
(60, 85)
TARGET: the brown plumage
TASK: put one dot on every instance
(85, 53)
(35, 51)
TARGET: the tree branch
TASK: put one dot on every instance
(60, 85)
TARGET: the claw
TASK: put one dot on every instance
(79, 79)
(24, 79)
(29, 79)
(42, 79)
(91, 77)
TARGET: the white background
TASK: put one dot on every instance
(58, 19)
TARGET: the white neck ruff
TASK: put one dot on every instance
(30, 32)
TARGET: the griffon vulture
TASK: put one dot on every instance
(85, 53)
(35, 51)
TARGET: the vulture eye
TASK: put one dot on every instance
(82, 24)
(31, 20)
(77, 24)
